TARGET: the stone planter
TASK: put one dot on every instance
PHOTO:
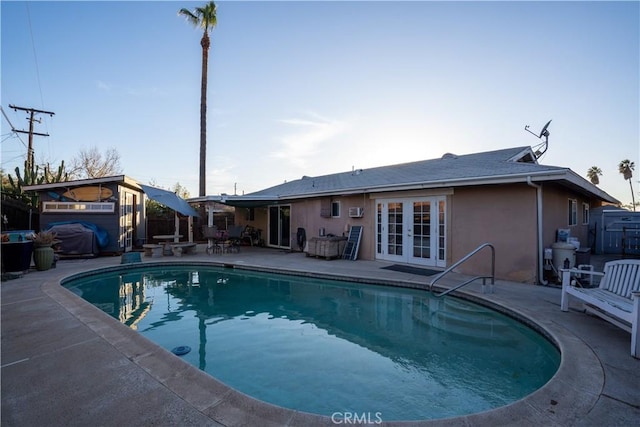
(43, 257)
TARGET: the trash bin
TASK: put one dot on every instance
(561, 252)
(583, 256)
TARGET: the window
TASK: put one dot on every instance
(251, 214)
(585, 213)
(84, 207)
(335, 209)
(573, 212)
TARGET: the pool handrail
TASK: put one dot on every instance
(462, 260)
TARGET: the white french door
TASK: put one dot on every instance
(412, 230)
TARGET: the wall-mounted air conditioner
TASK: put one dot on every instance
(356, 212)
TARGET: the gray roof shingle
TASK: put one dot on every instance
(447, 169)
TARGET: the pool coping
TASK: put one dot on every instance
(568, 396)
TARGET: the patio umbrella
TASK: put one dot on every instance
(170, 200)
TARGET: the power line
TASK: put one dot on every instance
(11, 160)
(12, 128)
(32, 119)
(35, 56)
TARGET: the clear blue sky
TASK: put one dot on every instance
(313, 88)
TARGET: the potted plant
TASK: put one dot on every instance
(44, 238)
(43, 253)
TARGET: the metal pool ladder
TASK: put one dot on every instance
(465, 258)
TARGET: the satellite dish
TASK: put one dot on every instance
(544, 132)
(540, 149)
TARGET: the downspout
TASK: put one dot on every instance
(540, 257)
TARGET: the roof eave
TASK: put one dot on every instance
(578, 181)
(123, 179)
(234, 200)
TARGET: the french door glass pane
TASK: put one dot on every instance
(394, 217)
(379, 229)
(421, 229)
(441, 229)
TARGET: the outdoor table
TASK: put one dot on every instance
(168, 237)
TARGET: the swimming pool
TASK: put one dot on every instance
(325, 346)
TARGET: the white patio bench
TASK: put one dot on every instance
(616, 300)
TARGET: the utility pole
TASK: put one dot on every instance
(32, 112)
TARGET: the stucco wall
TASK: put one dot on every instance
(504, 216)
(556, 214)
(306, 214)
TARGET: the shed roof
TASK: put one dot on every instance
(119, 179)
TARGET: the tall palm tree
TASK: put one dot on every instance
(593, 173)
(626, 168)
(205, 18)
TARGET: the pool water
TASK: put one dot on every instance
(325, 346)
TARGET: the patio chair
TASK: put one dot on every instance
(214, 238)
(234, 238)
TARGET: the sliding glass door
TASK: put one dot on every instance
(280, 226)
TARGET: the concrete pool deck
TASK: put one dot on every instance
(64, 362)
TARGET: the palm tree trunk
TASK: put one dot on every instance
(633, 199)
(203, 115)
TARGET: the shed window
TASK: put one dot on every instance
(573, 212)
(84, 207)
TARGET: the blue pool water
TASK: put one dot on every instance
(325, 346)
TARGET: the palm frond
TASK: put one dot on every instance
(190, 17)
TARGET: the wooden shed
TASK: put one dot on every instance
(112, 207)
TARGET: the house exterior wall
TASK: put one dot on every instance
(556, 214)
(507, 217)
(475, 215)
(308, 214)
(504, 216)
